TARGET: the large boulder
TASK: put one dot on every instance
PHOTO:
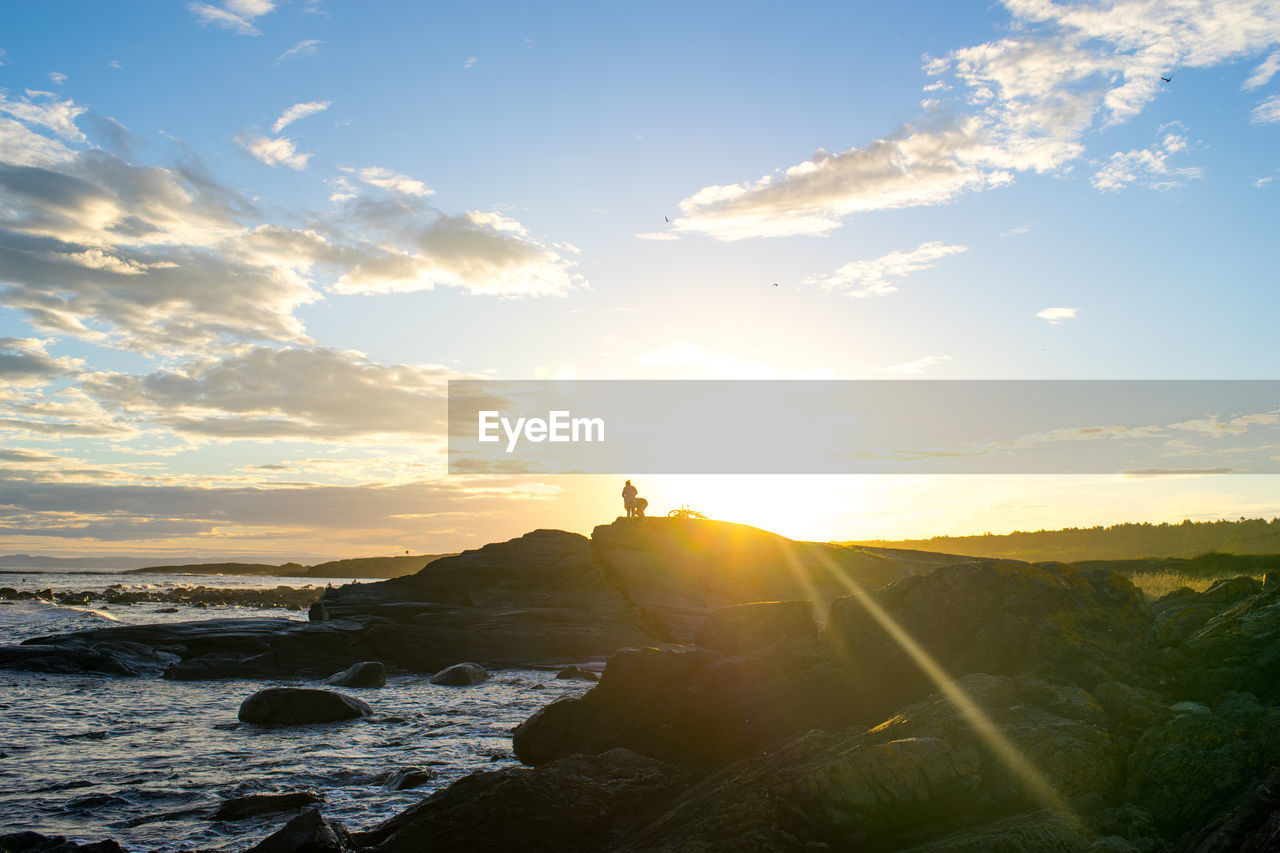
(461, 675)
(1236, 650)
(292, 706)
(34, 842)
(584, 803)
(369, 673)
(995, 617)
(743, 628)
(1184, 611)
(309, 832)
(692, 706)
(241, 808)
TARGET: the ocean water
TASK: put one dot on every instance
(144, 761)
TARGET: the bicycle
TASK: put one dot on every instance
(685, 512)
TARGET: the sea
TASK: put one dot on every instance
(145, 761)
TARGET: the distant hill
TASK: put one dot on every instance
(34, 561)
(355, 567)
(1117, 542)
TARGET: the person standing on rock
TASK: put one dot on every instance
(629, 493)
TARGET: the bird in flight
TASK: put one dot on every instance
(775, 284)
(1168, 79)
(665, 219)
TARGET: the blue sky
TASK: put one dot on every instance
(244, 244)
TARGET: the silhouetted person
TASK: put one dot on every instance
(641, 505)
(629, 499)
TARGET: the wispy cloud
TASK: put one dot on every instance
(1024, 102)
(376, 176)
(879, 276)
(1267, 112)
(1262, 75)
(57, 77)
(234, 15)
(43, 109)
(306, 47)
(1147, 167)
(299, 111)
(1056, 316)
(470, 62)
(658, 235)
(1014, 232)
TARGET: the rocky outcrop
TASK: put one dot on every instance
(369, 673)
(584, 803)
(994, 617)
(461, 675)
(1238, 649)
(293, 706)
(743, 628)
(34, 842)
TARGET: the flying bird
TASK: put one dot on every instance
(1168, 79)
(665, 219)
(775, 284)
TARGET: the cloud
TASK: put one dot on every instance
(683, 358)
(306, 47)
(57, 77)
(1262, 75)
(1267, 111)
(1146, 166)
(299, 111)
(1024, 102)
(658, 235)
(24, 362)
(1016, 231)
(1177, 472)
(1056, 316)
(876, 277)
(915, 368)
(470, 62)
(386, 179)
(43, 109)
(1262, 182)
(300, 393)
(273, 152)
(234, 15)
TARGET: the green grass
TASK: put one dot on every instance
(1156, 584)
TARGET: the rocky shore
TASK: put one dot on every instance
(761, 694)
(286, 597)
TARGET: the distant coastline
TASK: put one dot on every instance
(356, 567)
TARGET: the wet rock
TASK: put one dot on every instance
(370, 673)
(309, 832)
(577, 673)
(318, 612)
(578, 804)
(692, 706)
(291, 706)
(34, 842)
(746, 627)
(410, 777)
(461, 675)
(240, 808)
(994, 617)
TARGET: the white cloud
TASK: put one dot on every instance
(274, 152)
(57, 77)
(376, 176)
(45, 110)
(1147, 166)
(306, 47)
(1016, 231)
(685, 357)
(115, 63)
(234, 15)
(1262, 182)
(658, 235)
(877, 276)
(299, 111)
(1056, 316)
(1262, 75)
(470, 62)
(25, 362)
(915, 368)
(1025, 102)
(1267, 111)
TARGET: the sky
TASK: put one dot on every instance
(245, 244)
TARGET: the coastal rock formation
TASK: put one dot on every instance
(34, 842)
(309, 832)
(292, 706)
(240, 808)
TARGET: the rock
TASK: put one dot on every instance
(410, 777)
(1237, 650)
(1198, 764)
(309, 832)
(1041, 831)
(584, 803)
(1250, 824)
(744, 628)
(1183, 612)
(1131, 708)
(994, 617)
(577, 673)
(461, 675)
(317, 612)
(239, 808)
(691, 706)
(291, 706)
(369, 673)
(34, 842)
